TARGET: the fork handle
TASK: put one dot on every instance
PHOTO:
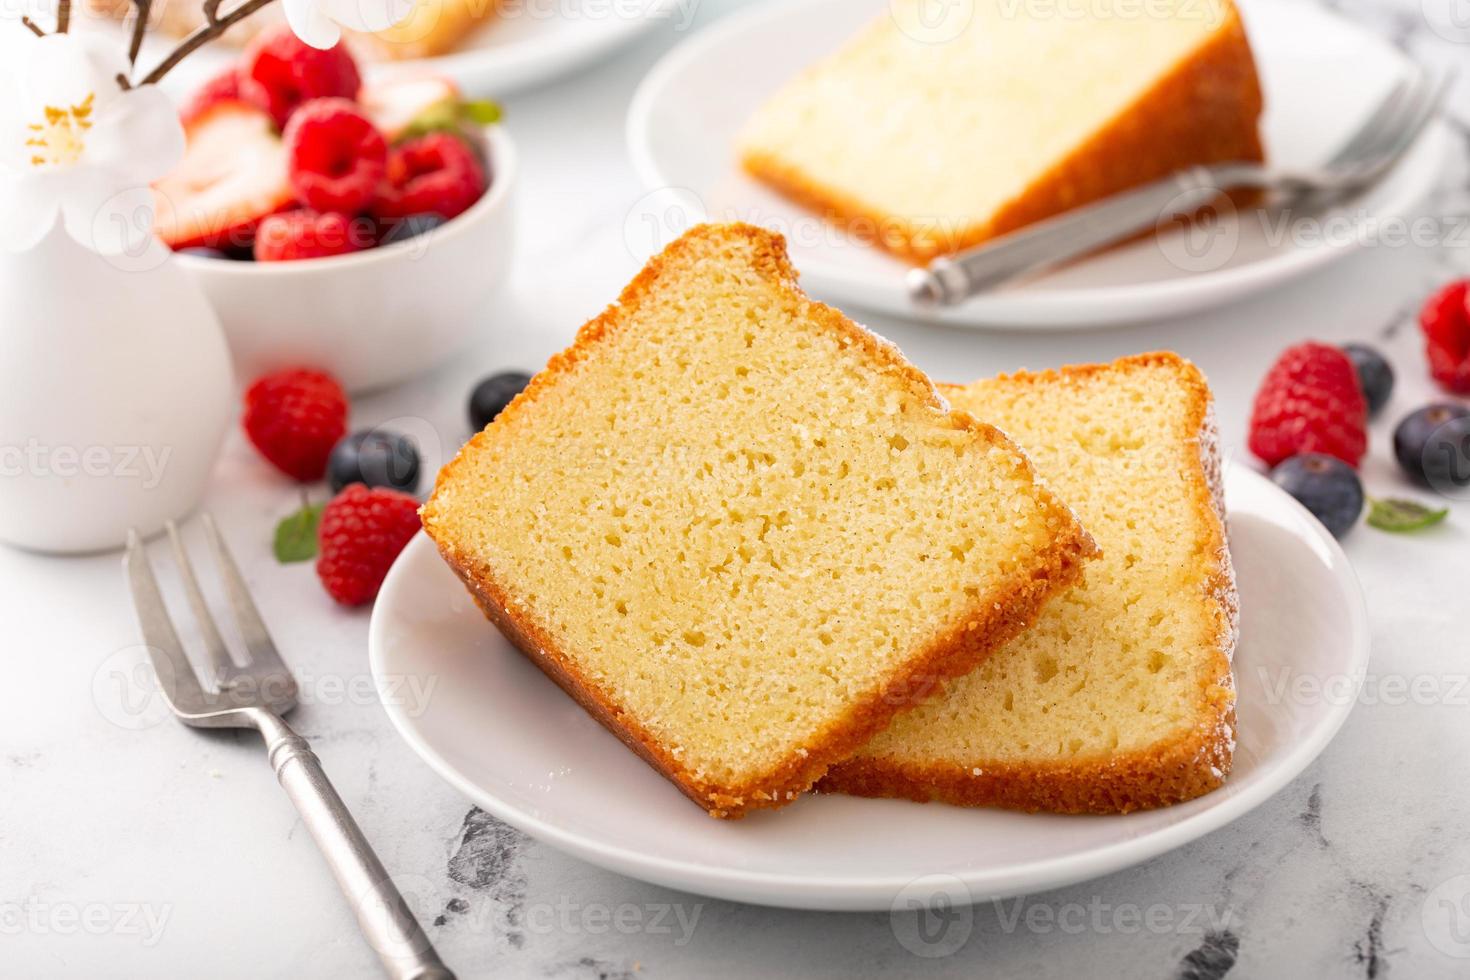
(383, 915)
(953, 279)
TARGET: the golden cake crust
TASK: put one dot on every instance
(1168, 772)
(986, 628)
(1206, 110)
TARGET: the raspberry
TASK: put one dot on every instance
(1310, 402)
(433, 174)
(360, 534)
(306, 234)
(1445, 321)
(224, 87)
(280, 71)
(294, 418)
(336, 156)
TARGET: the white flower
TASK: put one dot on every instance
(319, 22)
(75, 145)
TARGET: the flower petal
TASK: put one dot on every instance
(64, 70)
(138, 138)
(309, 23)
(28, 204)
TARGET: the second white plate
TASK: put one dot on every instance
(483, 717)
(684, 119)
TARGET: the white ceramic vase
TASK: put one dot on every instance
(115, 394)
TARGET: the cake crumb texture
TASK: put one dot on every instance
(927, 137)
(741, 530)
(1120, 697)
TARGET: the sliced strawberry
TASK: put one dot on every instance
(396, 104)
(224, 87)
(233, 174)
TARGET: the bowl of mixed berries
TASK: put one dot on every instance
(360, 227)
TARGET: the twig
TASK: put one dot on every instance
(122, 82)
(63, 16)
(213, 27)
(32, 25)
(141, 9)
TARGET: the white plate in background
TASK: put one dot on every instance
(515, 744)
(531, 42)
(686, 114)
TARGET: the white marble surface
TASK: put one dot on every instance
(132, 847)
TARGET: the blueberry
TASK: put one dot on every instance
(1433, 446)
(492, 395)
(411, 227)
(1326, 486)
(1374, 374)
(376, 458)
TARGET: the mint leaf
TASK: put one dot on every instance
(436, 118)
(450, 116)
(296, 535)
(1399, 516)
(482, 112)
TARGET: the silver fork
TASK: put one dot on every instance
(256, 695)
(1366, 157)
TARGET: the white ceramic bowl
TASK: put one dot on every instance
(376, 317)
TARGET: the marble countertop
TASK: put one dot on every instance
(132, 847)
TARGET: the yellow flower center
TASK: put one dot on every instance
(60, 139)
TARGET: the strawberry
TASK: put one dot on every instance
(307, 234)
(294, 418)
(361, 533)
(433, 174)
(280, 71)
(337, 157)
(1445, 321)
(224, 87)
(1310, 402)
(395, 104)
(233, 174)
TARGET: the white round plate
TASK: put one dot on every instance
(517, 746)
(685, 116)
(534, 41)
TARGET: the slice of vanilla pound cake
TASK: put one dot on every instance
(943, 125)
(742, 531)
(1120, 697)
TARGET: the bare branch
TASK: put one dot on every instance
(32, 26)
(141, 10)
(63, 16)
(122, 82)
(215, 26)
